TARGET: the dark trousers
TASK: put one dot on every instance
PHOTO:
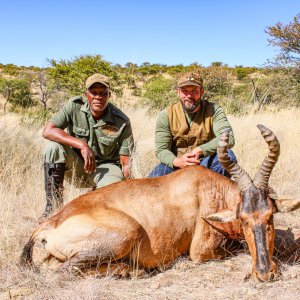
(210, 162)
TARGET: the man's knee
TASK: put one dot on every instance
(108, 174)
(54, 153)
(214, 164)
(108, 180)
(160, 170)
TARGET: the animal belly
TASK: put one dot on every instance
(155, 250)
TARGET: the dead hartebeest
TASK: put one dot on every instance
(150, 222)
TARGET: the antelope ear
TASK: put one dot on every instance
(224, 216)
(287, 205)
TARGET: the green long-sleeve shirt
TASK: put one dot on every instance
(109, 137)
(164, 138)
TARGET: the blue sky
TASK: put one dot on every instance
(156, 31)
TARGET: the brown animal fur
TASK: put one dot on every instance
(151, 225)
(149, 222)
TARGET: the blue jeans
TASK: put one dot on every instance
(210, 162)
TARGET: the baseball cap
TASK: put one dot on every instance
(190, 79)
(97, 78)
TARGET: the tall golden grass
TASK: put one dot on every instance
(22, 202)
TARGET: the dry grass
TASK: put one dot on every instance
(22, 201)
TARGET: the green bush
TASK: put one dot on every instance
(17, 93)
(159, 93)
(242, 72)
(282, 89)
(11, 69)
(70, 75)
(216, 81)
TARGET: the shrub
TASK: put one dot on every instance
(216, 81)
(70, 75)
(159, 93)
(17, 93)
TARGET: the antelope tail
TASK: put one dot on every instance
(26, 256)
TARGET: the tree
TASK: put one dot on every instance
(131, 65)
(71, 74)
(217, 81)
(145, 64)
(216, 64)
(44, 88)
(11, 69)
(159, 93)
(16, 92)
(287, 38)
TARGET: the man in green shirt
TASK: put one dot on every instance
(188, 131)
(90, 139)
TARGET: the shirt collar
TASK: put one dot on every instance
(107, 117)
(85, 107)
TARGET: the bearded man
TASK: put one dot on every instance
(188, 131)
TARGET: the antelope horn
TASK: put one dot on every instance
(240, 176)
(261, 179)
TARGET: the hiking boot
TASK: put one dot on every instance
(54, 178)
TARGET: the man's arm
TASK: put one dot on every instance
(126, 149)
(55, 134)
(220, 123)
(163, 140)
(163, 143)
(54, 131)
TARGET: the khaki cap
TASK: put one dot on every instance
(97, 78)
(190, 79)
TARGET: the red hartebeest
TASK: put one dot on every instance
(149, 222)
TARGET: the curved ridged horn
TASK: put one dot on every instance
(240, 176)
(261, 179)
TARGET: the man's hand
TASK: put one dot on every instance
(197, 152)
(126, 172)
(53, 133)
(125, 162)
(189, 159)
(89, 159)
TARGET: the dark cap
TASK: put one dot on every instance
(190, 79)
(97, 78)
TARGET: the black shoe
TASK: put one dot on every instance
(54, 178)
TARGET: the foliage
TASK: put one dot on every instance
(70, 75)
(13, 70)
(159, 92)
(238, 90)
(45, 88)
(281, 88)
(217, 81)
(216, 64)
(243, 72)
(17, 93)
(37, 117)
(10, 69)
(287, 38)
(278, 89)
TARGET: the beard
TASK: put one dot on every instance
(189, 108)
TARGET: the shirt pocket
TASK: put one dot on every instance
(109, 144)
(181, 142)
(81, 133)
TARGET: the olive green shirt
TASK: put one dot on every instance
(109, 137)
(164, 138)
